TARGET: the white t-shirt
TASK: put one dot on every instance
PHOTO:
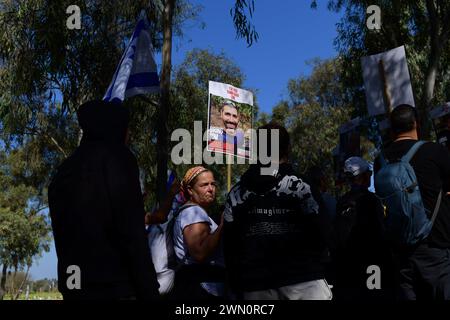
(188, 216)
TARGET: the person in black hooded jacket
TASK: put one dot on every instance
(359, 241)
(275, 241)
(97, 212)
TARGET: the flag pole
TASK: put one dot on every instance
(386, 94)
(228, 172)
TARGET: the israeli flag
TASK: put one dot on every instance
(136, 73)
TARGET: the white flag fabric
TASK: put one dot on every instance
(136, 72)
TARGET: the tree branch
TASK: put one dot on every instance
(433, 20)
(36, 132)
(146, 99)
(57, 145)
(446, 25)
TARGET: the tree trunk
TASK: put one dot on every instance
(21, 285)
(439, 24)
(428, 93)
(13, 283)
(164, 108)
(3, 281)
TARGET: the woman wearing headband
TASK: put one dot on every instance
(197, 240)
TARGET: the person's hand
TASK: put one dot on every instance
(147, 218)
(221, 219)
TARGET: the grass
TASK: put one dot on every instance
(38, 296)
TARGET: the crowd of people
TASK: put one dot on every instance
(280, 236)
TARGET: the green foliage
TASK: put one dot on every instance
(46, 72)
(190, 98)
(43, 58)
(19, 283)
(189, 101)
(24, 233)
(319, 104)
(279, 113)
(314, 133)
(422, 26)
(38, 296)
(324, 86)
(263, 119)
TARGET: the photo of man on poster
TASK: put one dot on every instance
(229, 114)
(230, 119)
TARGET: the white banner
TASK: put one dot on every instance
(397, 78)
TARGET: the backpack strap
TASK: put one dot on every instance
(408, 156)
(382, 160)
(184, 206)
(175, 215)
(171, 222)
(174, 264)
(436, 208)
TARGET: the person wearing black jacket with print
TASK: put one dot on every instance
(275, 242)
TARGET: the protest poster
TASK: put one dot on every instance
(337, 166)
(349, 138)
(386, 80)
(230, 118)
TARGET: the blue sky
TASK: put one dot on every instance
(290, 33)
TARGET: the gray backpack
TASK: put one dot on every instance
(160, 241)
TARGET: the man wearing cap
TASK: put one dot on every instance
(359, 238)
(423, 269)
(97, 213)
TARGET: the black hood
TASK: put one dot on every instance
(254, 181)
(103, 121)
